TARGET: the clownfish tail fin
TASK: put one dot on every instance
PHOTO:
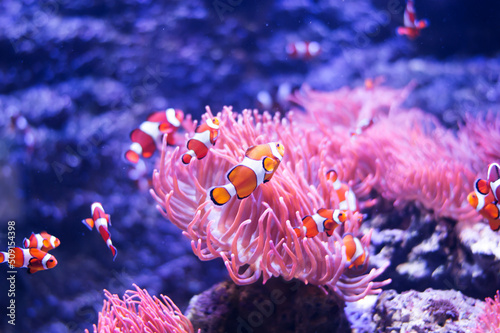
(3, 257)
(113, 251)
(219, 195)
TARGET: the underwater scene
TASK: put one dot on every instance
(232, 166)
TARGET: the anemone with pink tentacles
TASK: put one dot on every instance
(255, 236)
(139, 312)
(405, 155)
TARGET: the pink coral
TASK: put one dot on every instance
(489, 320)
(139, 312)
(255, 236)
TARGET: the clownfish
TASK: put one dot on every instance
(204, 137)
(325, 220)
(102, 222)
(483, 201)
(494, 179)
(354, 250)
(303, 50)
(412, 26)
(362, 126)
(148, 136)
(33, 259)
(347, 198)
(258, 166)
(42, 241)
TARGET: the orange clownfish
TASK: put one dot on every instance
(483, 201)
(494, 179)
(148, 136)
(204, 137)
(258, 166)
(42, 241)
(102, 222)
(354, 250)
(347, 198)
(325, 220)
(33, 259)
(412, 26)
(303, 50)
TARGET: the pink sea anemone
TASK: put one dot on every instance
(255, 236)
(139, 312)
(406, 155)
(489, 320)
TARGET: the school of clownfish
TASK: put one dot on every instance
(257, 167)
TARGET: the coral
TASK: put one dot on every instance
(139, 312)
(255, 236)
(489, 320)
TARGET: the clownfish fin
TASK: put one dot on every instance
(26, 242)
(482, 186)
(269, 164)
(297, 231)
(321, 210)
(3, 257)
(492, 211)
(113, 251)
(494, 225)
(89, 223)
(219, 195)
(46, 243)
(37, 254)
(132, 156)
(186, 157)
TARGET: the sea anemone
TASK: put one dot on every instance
(139, 312)
(255, 236)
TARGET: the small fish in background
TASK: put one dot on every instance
(412, 26)
(42, 241)
(33, 259)
(276, 99)
(205, 136)
(371, 83)
(102, 221)
(325, 220)
(147, 138)
(258, 166)
(304, 50)
(355, 252)
(19, 124)
(362, 126)
(483, 201)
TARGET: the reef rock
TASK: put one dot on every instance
(277, 306)
(438, 311)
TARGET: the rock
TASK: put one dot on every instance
(277, 306)
(438, 311)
